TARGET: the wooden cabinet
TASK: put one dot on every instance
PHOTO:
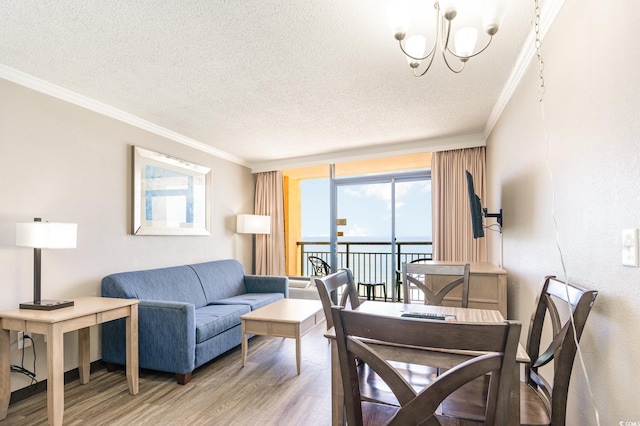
(487, 287)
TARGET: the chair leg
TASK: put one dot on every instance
(384, 290)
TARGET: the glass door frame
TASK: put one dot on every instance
(392, 178)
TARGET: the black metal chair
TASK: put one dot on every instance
(319, 266)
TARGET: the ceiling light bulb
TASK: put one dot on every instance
(398, 15)
(493, 14)
(466, 41)
(415, 47)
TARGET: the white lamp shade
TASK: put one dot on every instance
(493, 14)
(47, 235)
(253, 224)
(415, 47)
(466, 41)
(398, 15)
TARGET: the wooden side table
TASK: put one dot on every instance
(87, 311)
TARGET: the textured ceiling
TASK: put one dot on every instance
(261, 80)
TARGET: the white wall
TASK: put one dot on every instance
(592, 109)
(63, 163)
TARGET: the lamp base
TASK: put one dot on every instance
(47, 305)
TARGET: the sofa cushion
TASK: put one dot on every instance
(254, 300)
(176, 284)
(220, 279)
(215, 319)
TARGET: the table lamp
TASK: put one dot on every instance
(49, 235)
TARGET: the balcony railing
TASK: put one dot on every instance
(369, 261)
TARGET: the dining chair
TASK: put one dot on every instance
(334, 282)
(320, 267)
(399, 274)
(421, 275)
(543, 401)
(490, 349)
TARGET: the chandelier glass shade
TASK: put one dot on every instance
(462, 47)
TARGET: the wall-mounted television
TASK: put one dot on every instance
(477, 211)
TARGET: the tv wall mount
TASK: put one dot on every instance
(498, 216)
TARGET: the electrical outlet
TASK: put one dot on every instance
(21, 340)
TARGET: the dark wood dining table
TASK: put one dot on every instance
(405, 354)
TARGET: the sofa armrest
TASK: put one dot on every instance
(166, 337)
(266, 284)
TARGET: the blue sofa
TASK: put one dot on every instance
(188, 315)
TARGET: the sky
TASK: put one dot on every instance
(367, 209)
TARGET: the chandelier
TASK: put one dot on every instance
(490, 14)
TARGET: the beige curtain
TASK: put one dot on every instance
(270, 201)
(452, 233)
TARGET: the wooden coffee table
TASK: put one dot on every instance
(291, 318)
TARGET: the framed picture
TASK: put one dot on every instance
(170, 196)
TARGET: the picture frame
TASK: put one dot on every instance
(170, 196)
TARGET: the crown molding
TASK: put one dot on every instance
(547, 15)
(66, 95)
(377, 151)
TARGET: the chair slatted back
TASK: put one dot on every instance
(554, 298)
(358, 334)
(332, 282)
(417, 274)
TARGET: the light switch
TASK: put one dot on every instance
(630, 247)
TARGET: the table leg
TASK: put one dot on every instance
(132, 349)
(5, 373)
(55, 378)
(244, 342)
(84, 355)
(298, 348)
(337, 392)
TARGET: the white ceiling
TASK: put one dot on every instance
(258, 82)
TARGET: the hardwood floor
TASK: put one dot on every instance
(266, 391)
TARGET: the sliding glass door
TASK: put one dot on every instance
(378, 222)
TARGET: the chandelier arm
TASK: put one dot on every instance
(431, 52)
(445, 34)
(475, 54)
(449, 66)
(426, 69)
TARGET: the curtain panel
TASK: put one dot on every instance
(452, 232)
(269, 200)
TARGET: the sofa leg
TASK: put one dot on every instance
(111, 367)
(183, 379)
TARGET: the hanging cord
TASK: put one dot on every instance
(21, 368)
(541, 92)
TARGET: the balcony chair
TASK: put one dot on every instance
(334, 282)
(421, 276)
(543, 401)
(358, 333)
(319, 267)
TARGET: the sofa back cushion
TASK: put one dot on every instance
(220, 279)
(177, 284)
